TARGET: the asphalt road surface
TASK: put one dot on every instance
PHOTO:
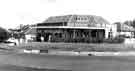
(10, 61)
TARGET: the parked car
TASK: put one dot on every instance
(10, 43)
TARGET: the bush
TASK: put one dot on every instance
(114, 40)
(83, 40)
(77, 40)
(4, 35)
(55, 39)
(87, 40)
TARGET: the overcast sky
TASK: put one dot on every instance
(15, 12)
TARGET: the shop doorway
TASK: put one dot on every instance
(47, 37)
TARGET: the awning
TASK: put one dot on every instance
(68, 27)
(52, 31)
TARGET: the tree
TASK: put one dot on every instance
(133, 23)
(129, 23)
(4, 34)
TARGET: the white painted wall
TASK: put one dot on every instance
(126, 33)
(29, 37)
(129, 40)
(110, 28)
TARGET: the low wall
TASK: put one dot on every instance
(83, 53)
(55, 52)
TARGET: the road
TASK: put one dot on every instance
(33, 62)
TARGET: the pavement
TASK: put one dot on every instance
(77, 46)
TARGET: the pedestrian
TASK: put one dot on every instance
(42, 39)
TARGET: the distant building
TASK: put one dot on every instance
(125, 30)
(18, 34)
(30, 34)
(79, 27)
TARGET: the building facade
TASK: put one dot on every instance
(84, 28)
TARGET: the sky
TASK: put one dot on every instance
(15, 12)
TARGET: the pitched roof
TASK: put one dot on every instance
(58, 19)
(31, 31)
(92, 19)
